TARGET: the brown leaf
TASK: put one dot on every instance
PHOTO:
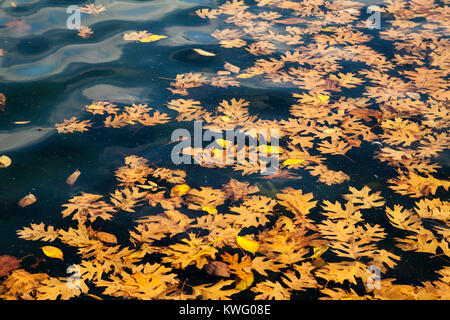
(27, 200)
(231, 68)
(2, 102)
(8, 264)
(218, 268)
(73, 177)
(106, 237)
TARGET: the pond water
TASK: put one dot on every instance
(393, 117)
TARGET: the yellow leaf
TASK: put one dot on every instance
(216, 153)
(150, 186)
(204, 53)
(152, 37)
(179, 190)
(222, 143)
(52, 252)
(225, 118)
(245, 284)
(210, 210)
(136, 255)
(94, 107)
(323, 98)
(248, 245)
(292, 161)
(5, 162)
(270, 149)
(318, 251)
(245, 76)
(328, 29)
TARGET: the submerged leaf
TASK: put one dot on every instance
(73, 177)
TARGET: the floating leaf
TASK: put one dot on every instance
(179, 190)
(245, 75)
(106, 237)
(27, 200)
(248, 245)
(318, 251)
(231, 68)
(8, 264)
(223, 143)
(73, 177)
(2, 96)
(52, 252)
(204, 53)
(218, 268)
(245, 284)
(5, 162)
(270, 149)
(210, 210)
(323, 98)
(152, 38)
(292, 161)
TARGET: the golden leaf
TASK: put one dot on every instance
(52, 252)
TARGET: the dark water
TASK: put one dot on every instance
(49, 73)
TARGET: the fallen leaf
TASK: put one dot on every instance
(218, 268)
(152, 38)
(245, 76)
(2, 102)
(292, 161)
(318, 251)
(5, 162)
(204, 53)
(223, 143)
(179, 190)
(270, 149)
(27, 200)
(52, 252)
(245, 284)
(248, 245)
(413, 95)
(210, 210)
(73, 177)
(323, 98)
(231, 68)
(291, 21)
(106, 237)
(8, 264)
